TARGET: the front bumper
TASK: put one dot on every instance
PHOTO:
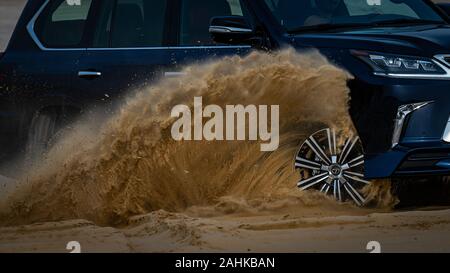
(406, 161)
(422, 146)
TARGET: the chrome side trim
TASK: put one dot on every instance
(164, 48)
(30, 26)
(89, 74)
(222, 29)
(402, 113)
(30, 29)
(32, 33)
(446, 136)
(174, 74)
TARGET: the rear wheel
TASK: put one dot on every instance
(332, 164)
(44, 127)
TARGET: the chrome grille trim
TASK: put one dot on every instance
(443, 59)
(446, 136)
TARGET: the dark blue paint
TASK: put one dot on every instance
(31, 79)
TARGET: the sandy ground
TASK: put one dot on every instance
(340, 229)
(417, 231)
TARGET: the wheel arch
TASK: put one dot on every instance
(59, 105)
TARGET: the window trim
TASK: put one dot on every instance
(30, 28)
(34, 37)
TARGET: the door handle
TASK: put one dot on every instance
(173, 74)
(89, 74)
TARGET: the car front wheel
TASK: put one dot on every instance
(333, 164)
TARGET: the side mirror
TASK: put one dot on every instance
(230, 30)
(445, 7)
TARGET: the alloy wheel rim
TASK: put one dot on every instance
(330, 168)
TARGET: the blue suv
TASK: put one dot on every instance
(65, 55)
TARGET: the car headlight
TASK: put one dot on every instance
(399, 66)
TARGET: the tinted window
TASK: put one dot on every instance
(196, 16)
(102, 31)
(294, 14)
(358, 8)
(137, 23)
(62, 24)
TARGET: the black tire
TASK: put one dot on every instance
(424, 191)
(43, 128)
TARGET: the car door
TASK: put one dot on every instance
(193, 39)
(128, 49)
(43, 68)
